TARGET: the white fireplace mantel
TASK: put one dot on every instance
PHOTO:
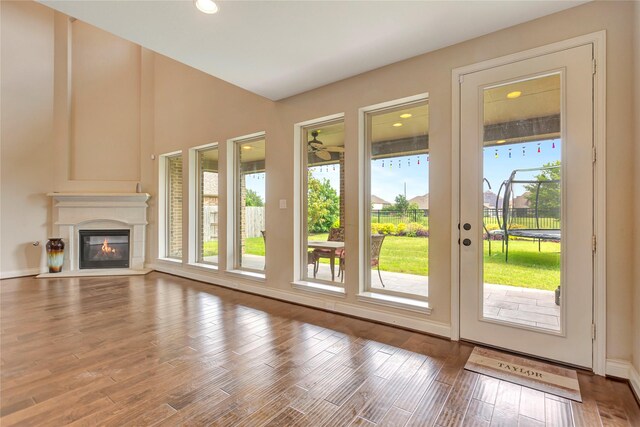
(72, 212)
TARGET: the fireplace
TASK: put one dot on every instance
(104, 249)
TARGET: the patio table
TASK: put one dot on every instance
(331, 246)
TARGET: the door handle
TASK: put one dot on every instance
(466, 242)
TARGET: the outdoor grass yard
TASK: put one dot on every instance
(526, 267)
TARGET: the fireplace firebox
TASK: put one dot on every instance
(104, 249)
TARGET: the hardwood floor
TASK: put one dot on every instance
(162, 350)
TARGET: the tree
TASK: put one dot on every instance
(402, 204)
(323, 205)
(549, 195)
(252, 198)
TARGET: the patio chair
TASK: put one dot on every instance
(376, 246)
(335, 235)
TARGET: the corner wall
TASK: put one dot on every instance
(636, 260)
(26, 152)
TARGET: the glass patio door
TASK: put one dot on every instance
(526, 208)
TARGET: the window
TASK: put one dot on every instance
(249, 188)
(397, 199)
(323, 236)
(171, 235)
(206, 199)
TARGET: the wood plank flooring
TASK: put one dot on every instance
(162, 350)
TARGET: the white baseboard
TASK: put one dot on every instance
(21, 273)
(312, 300)
(625, 370)
(634, 381)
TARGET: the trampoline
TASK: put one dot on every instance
(505, 214)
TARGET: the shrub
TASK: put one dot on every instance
(336, 223)
(401, 229)
(413, 228)
(386, 228)
(422, 232)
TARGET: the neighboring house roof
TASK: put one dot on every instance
(489, 199)
(521, 201)
(421, 201)
(210, 184)
(378, 201)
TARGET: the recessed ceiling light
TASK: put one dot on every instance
(501, 141)
(397, 125)
(405, 115)
(206, 6)
(513, 95)
(246, 147)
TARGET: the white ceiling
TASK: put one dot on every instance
(281, 48)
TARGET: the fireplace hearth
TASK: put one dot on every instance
(104, 249)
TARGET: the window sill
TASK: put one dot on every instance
(319, 288)
(202, 266)
(395, 302)
(258, 277)
(170, 260)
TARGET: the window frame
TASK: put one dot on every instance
(195, 206)
(302, 206)
(234, 257)
(164, 217)
(365, 113)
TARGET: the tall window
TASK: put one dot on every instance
(207, 200)
(173, 206)
(397, 147)
(249, 216)
(323, 207)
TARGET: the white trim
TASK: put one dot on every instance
(618, 368)
(319, 288)
(598, 40)
(387, 300)
(192, 208)
(299, 194)
(162, 201)
(246, 274)
(311, 300)
(195, 200)
(22, 273)
(232, 200)
(634, 381)
(364, 189)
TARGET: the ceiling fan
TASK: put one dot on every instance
(322, 151)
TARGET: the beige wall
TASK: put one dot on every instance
(105, 106)
(181, 108)
(27, 125)
(636, 260)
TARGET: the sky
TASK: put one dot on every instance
(387, 181)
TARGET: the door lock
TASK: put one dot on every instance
(467, 226)
(466, 242)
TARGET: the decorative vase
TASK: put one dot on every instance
(55, 254)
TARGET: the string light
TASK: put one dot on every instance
(399, 164)
(553, 145)
(418, 159)
(538, 148)
(509, 152)
(496, 155)
(523, 150)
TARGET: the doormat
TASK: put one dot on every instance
(525, 372)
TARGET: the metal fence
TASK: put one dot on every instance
(525, 217)
(395, 217)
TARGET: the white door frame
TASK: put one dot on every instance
(598, 40)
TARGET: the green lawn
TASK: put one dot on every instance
(526, 267)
